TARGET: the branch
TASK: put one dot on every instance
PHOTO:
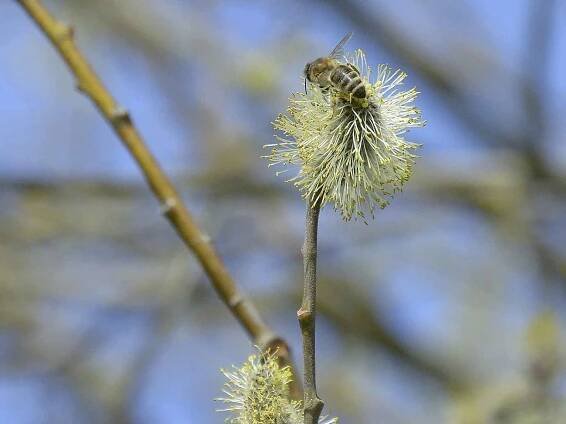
(307, 313)
(61, 36)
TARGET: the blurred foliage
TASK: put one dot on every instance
(447, 308)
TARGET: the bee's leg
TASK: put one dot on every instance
(333, 107)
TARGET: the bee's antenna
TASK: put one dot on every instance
(306, 74)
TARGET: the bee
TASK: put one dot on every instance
(329, 72)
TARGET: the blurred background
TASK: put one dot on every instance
(449, 307)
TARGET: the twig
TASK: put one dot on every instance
(61, 36)
(307, 313)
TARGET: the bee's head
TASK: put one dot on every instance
(310, 72)
(317, 70)
(307, 71)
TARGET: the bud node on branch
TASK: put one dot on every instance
(63, 32)
(120, 116)
(168, 206)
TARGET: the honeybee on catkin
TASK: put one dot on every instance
(329, 72)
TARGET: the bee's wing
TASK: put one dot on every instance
(338, 51)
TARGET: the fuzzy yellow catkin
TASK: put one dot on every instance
(258, 393)
(350, 153)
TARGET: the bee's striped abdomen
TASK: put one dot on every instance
(348, 80)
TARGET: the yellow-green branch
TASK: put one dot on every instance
(61, 36)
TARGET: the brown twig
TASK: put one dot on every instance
(61, 36)
(307, 314)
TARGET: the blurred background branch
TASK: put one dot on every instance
(468, 256)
